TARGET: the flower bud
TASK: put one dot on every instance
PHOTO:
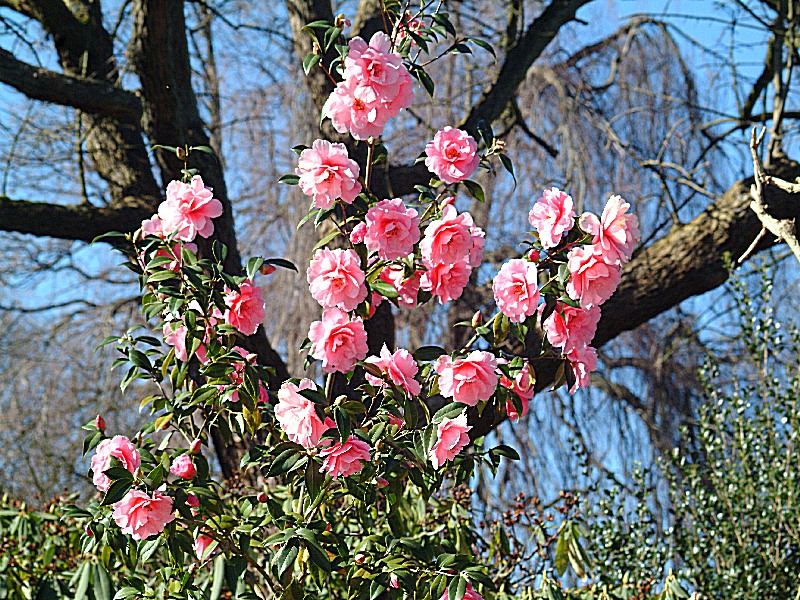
(534, 255)
(100, 423)
(193, 500)
(89, 532)
(477, 319)
(358, 233)
(393, 581)
(449, 201)
(361, 558)
(341, 21)
(380, 482)
(195, 446)
(181, 153)
(262, 497)
(267, 269)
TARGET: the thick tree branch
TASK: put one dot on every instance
(88, 95)
(69, 222)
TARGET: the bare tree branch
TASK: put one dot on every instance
(89, 95)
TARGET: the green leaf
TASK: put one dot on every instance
(387, 290)
(457, 591)
(290, 179)
(281, 262)
(102, 583)
(327, 239)
(449, 411)
(475, 190)
(217, 577)
(501, 328)
(424, 353)
(116, 491)
(483, 44)
(485, 131)
(506, 162)
(343, 424)
(310, 61)
(284, 462)
(314, 478)
(507, 451)
(83, 581)
(562, 549)
(205, 149)
(317, 555)
(285, 557)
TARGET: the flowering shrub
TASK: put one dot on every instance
(339, 485)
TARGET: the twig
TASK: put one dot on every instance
(783, 229)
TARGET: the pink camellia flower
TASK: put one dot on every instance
(407, 289)
(448, 240)
(552, 216)
(570, 328)
(298, 417)
(338, 341)
(335, 278)
(188, 209)
(516, 289)
(246, 308)
(153, 226)
(451, 438)
(446, 281)
(193, 502)
(469, 594)
(584, 361)
(327, 173)
(379, 72)
(469, 380)
(204, 546)
(175, 335)
(400, 367)
(140, 515)
(183, 467)
(345, 459)
(615, 233)
(118, 447)
(349, 112)
(358, 233)
(392, 229)
(452, 155)
(592, 280)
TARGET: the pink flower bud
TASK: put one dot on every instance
(100, 423)
(381, 482)
(534, 255)
(89, 532)
(195, 446)
(193, 501)
(267, 269)
(183, 467)
(358, 233)
(361, 558)
(477, 319)
(262, 497)
(449, 201)
(393, 582)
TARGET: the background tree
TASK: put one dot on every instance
(92, 86)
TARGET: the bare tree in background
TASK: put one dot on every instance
(93, 85)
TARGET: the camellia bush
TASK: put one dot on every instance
(355, 484)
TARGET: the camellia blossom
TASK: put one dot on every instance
(469, 380)
(392, 229)
(153, 226)
(350, 113)
(592, 280)
(176, 336)
(516, 289)
(183, 467)
(552, 216)
(358, 233)
(570, 328)
(407, 289)
(342, 459)
(584, 361)
(140, 516)
(379, 72)
(335, 279)
(338, 341)
(118, 447)
(616, 232)
(204, 546)
(452, 155)
(446, 281)
(189, 210)
(327, 173)
(399, 366)
(447, 240)
(246, 308)
(451, 438)
(297, 416)
(469, 594)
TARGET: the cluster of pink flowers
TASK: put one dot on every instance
(451, 247)
(376, 87)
